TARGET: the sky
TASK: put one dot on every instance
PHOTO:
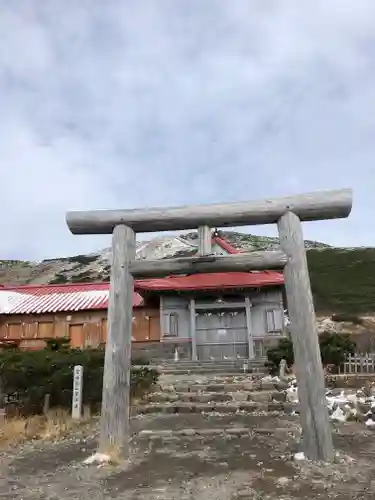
(125, 104)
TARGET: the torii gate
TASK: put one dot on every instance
(287, 213)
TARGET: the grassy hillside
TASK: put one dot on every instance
(343, 280)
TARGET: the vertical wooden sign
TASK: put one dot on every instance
(77, 392)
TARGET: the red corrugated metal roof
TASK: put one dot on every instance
(225, 245)
(38, 299)
(212, 281)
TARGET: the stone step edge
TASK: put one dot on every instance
(237, 396)
(230, 431)
(194, 387)
(223, 407)
(209, 371)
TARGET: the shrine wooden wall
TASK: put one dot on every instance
(84, 328)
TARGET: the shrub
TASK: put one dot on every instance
(83, 277)
(59, 279)
(284, 350)
(32, 374)
(83, 260)
(334, 349)
(56, 344)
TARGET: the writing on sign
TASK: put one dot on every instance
(77, 392)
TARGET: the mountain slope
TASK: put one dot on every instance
(343, 280)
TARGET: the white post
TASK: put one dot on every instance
(77, 392)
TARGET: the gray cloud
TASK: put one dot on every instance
(172, 102)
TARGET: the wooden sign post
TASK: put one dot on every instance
(77, 392)
(287, 213)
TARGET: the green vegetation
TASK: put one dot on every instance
(83, 260)
(84, 277)
(253, 242)
(334, 350)
(32, 374)
(59, 279)
(343, 280)
(57, 344)
(283, 350)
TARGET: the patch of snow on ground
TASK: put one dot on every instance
(343, 405)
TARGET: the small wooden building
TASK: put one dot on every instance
(31, 314)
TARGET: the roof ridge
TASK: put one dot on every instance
(31, 286)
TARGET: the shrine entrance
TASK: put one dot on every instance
(288, 213)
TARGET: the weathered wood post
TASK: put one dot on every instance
(204, 240)
(114, 430)
(316, 431)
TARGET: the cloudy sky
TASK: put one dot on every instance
(125, 104)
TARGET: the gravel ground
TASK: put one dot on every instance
(220, 468)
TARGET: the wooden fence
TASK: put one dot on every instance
(359, 363)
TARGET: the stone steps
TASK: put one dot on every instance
(209, 370)
(203, 396)
(222, 367)
(192, 406)
(218, 362)
(226, 384)
(250, 407)
(171, 435)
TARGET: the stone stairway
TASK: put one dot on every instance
(205, 405)
(223, 367)
(216, 393)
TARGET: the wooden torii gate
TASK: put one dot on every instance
(287, 213)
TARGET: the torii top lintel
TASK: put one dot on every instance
(311, 206)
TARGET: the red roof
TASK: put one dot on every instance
(38, 299)
(225, 245)
(212, 281)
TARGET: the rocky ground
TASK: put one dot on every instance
(229, 450)
(212, 464)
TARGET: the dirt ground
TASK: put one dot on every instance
(224, 467)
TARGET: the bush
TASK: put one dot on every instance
(334, 349)
(83, 260)
(32, 374)
(284, 350)
(59, 279)
(56, 344)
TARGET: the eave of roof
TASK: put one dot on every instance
(39, 299)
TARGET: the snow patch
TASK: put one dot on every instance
(98, 458)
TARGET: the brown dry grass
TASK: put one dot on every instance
(56, 424)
